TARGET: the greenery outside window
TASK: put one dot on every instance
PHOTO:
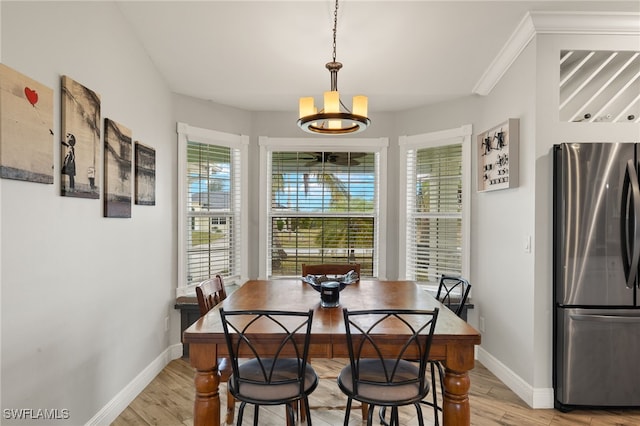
(434, 234)
(322, 204)
(211, 197)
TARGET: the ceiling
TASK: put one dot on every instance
(263, 55)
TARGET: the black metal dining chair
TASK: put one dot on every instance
(274, 372)
(453, 293)
(385, 378)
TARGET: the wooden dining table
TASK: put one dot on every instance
(453, 341)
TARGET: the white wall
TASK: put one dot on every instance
(502, 270)
(84, 298)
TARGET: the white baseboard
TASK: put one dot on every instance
(534, 397)
(121, 401)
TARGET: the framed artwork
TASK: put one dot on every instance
(26, 128)
(118, 154)
(80, 140)
(498, 156)
(145, 175)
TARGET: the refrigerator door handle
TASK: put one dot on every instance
(630, 208)
(606, 318)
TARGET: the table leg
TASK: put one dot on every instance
(206, 409)
(455, 405)
(456, 410)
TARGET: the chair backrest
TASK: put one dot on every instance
(368, 333)
(286, 349)
(330, 269)
(209, 293)
(453, 293)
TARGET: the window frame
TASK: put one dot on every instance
(270, 144)
(460, 135)
(188, 133)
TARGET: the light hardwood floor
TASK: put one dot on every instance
(168, 401)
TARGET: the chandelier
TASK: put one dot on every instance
(335, 118)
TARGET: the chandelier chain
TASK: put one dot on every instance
(335, 29)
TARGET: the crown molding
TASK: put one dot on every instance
(609, 23)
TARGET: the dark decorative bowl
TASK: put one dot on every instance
(318, 286)
(329, 287)
(316, 281)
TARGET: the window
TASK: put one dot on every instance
(211, 220)
(434, 234)
(322, 204)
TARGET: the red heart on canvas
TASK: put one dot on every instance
(32, 95)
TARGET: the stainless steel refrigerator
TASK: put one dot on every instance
(596, 258)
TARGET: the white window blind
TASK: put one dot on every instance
(434, 221)
(213, 244)
(211, 198)
(323, 208)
